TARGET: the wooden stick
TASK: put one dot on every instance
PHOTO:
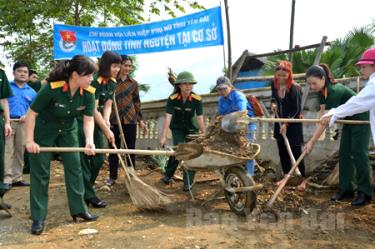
(110, 151)
(319, 52)
(288, 50)
(287, 145)
(124, 166)
(308, 121)
(285, 180)
(122, 134)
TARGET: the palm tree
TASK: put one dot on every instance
(341, 56)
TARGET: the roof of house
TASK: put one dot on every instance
(248, 62)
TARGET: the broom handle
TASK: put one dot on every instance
(287, 144)
(110, 151)
(309, 121)
(286, 178)
(122, 135)
(123, 164)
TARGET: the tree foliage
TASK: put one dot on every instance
(26, 25)
(341, 56)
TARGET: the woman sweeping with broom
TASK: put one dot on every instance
(354, 165)
(105, 84)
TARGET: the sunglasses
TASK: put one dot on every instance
(280, 68)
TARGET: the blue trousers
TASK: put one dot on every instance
(250, 163)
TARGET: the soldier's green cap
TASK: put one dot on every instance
(185, 77)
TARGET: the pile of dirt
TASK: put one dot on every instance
(231, 143)
(327, 173)
(289, 200)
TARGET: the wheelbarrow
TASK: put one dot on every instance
(239, 187)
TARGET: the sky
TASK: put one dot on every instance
(259, 26)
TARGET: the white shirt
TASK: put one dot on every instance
(362, 102)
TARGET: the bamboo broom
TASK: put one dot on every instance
(144, 196)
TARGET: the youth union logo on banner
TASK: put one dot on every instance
(68, 41)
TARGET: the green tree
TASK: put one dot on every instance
(26, 25)
(341, 56)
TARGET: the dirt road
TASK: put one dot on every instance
(317, 223)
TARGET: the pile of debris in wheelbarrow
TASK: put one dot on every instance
(234, 143)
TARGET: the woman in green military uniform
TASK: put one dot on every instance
(51, 120)
(184, 116)
(105, 84)
(354, 165)
(5, 129)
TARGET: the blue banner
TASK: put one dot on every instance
(197, 30)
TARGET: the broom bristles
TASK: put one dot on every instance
(144, 196)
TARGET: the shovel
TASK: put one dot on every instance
(297, 178)
(235, 122)
(286, 178)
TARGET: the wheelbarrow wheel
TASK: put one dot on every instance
(241, 203)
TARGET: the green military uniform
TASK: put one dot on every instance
(183, 123)
(91, 164)
(353, 154)
(5, 92)
(26, 167)
(35, 85)
(56, 124)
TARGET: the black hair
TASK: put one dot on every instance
(320, 71)
(176, 89)
(19, 64)
(108, 58)
(125, 57)
(32, 71)
(81, 64)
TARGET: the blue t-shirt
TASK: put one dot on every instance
(234, 102)
(20, 101)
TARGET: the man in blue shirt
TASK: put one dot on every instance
(232, 100)
(19, 103)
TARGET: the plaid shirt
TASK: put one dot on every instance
(128, 102)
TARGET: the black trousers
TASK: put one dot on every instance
(130, 132)
(286, 163)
